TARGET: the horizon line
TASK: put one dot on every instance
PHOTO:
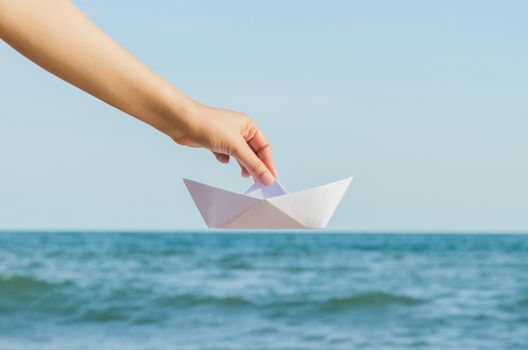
(230, 231)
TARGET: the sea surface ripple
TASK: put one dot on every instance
(262, 291)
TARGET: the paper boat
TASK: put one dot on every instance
(267, 207)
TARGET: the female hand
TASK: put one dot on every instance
(230, 134)
(58, 37)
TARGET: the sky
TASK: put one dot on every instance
(424, 103)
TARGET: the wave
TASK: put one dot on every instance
(377, 299)
(190, 300)
(369, 299)
(16, 285)
(20, 294)
(523, 302)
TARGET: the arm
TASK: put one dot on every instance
(58, 37)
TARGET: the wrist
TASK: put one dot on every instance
(179, 116)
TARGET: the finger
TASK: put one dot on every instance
(222, 158)
(243, 170)
(253, 164)
(263, 150)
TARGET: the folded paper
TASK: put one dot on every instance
(267, 207)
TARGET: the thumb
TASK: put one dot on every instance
(253, 164)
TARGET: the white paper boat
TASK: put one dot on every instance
(267, 207)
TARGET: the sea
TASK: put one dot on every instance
(262, 290)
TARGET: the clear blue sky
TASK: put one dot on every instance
(425, 103)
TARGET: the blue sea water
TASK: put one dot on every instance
(263, 291)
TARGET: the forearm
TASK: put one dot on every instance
(58, 37)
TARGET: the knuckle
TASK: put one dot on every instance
(249, 129)
(259, 168)
(263, 150)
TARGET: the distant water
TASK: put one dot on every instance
(263, 291)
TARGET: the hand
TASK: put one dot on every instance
(62, 40)
(228, 133)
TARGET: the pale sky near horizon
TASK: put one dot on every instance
(424, 103)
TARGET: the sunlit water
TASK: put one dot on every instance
(263, 291)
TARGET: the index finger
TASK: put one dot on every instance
(262, 149)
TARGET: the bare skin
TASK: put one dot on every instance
(57, 36)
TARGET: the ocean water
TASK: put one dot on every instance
(263, 291)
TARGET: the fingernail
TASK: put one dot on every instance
(267, 178)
